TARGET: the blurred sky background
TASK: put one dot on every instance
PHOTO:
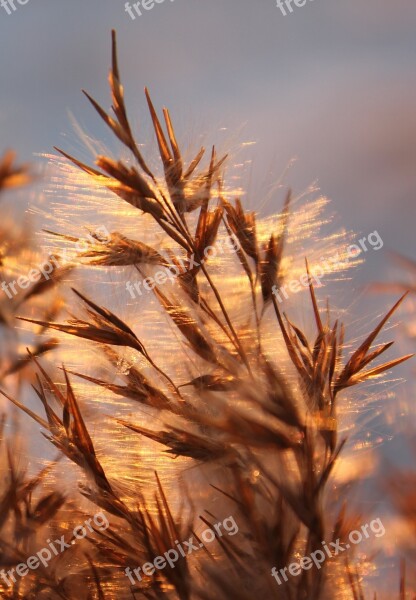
(332, 85)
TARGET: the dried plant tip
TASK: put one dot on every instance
(243, 225)
(119, 250)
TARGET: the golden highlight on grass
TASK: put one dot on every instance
(212, 400)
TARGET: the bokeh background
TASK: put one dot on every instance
(332, 85)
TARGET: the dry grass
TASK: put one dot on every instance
(252, 419)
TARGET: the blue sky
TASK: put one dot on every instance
(332, 85)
